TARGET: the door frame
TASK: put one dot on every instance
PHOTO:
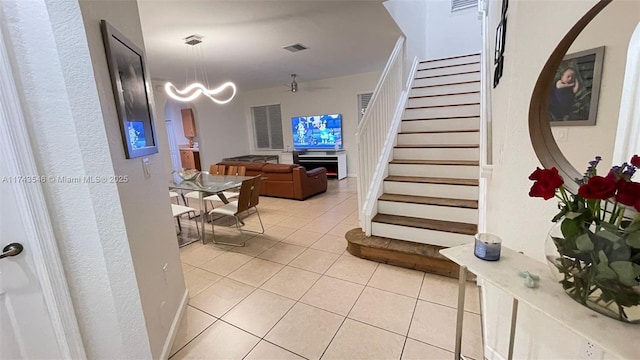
(15, 144)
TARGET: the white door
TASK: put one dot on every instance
(176, 163)
(36, 314)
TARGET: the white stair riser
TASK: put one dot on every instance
(439, 138)
(445, 89)
(448, 79)
(442, 112)
(423, 236)
(446, 171)
(448, 62)
(445, 213)
(444, 100)
(436, 154)
(433, 190)
(448, 70)
(441, 124)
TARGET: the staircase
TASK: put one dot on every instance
(431, 193)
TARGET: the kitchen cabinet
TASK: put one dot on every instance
(190, 159)
(188, 123)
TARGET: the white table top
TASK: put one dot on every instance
(612, 336)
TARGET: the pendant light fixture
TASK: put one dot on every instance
(294, 84)
(200, 84)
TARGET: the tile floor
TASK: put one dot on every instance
(296, 293)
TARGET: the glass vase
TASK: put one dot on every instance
(588, 277)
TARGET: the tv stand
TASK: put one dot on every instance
(334, 161)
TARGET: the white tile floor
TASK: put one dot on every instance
(296, 293)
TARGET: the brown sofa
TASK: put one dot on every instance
(285, 180)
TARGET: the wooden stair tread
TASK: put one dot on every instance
(446, 84)
(446, 94)
(439, 131)
(448, 146)
(445, 118)
(429, 200)
(443, 75)
(428, 224)
(433, 180)
(440, 106)
(437, 162)
(448, 58)
(448, 66)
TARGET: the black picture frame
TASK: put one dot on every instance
(131, 87)
(569, 108)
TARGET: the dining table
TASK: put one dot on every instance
(207, 184)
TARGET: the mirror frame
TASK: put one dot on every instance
(542, 139)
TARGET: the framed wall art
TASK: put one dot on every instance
(573, 99)
(130, 84)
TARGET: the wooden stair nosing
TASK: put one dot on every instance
(448, 66)
(446, 117)
(443, 75)
(448, 58)
(446, 84)
(438, 131)
(437, 162)
(439, 106)
(449, 94)
(429, 200)
(437, 146)
(432, 180)
(427, 224)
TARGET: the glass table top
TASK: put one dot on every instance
(208, 183)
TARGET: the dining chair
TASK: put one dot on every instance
(173, 194)
(248, 198)
(232, 170)
(213, 170)
(179, 210)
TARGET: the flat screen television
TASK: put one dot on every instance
(319, 132)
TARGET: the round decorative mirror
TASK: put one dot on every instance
(574, 75)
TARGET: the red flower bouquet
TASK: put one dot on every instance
(595, 247)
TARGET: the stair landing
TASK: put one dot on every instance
(423, 257)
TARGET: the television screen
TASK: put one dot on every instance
(317, 132)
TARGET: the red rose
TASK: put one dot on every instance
(547, 181)
(635, 160)
(598, 188)
(628, 192)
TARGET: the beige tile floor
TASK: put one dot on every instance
(296, 293)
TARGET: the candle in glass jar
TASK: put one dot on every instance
(487, 246)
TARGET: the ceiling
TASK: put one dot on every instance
(243, 40)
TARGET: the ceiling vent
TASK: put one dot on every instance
(462, 4)
(193, 39)
(295, 47)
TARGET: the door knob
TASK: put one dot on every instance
(12, 249)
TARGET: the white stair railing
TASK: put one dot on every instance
(376, 132)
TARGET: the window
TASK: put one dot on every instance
(267, 127)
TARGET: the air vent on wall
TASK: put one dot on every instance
(462, 4)
(295, 47)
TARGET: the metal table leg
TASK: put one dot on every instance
(460, 313)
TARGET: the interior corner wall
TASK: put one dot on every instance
(63, 115)
(533, 31)
(143, 199)
(411, 18)
(165, 111)
(451, 33)
(329, 96)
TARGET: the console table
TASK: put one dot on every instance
(612, 336)
(334, 161)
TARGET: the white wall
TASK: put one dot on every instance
(68, 137)
(329, 96)
(451, 33)
(144, 201)
(411, 17)
(534, 29)
(612, 28)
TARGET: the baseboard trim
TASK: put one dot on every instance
(175, 325)
(491, 354)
